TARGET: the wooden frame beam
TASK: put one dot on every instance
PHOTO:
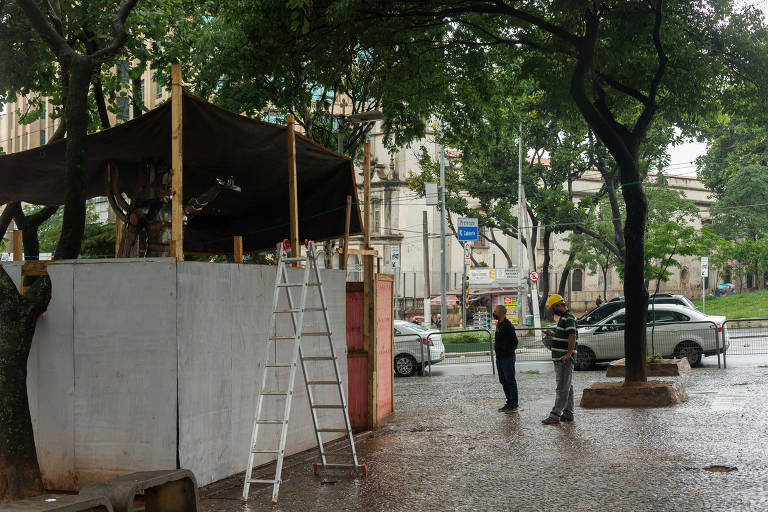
(345, 250)
(293, 199)
(177, 167)
(238, 249)
(18, 245)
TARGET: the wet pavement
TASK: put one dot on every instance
(447, 448)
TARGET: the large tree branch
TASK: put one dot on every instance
(7, 216)
(118, 28)
(59, 46)
(644, 121)
(594, 234)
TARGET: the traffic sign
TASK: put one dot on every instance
(394, 255)
(467, 228)
(704, 266)
(533, 276)
(467, 254)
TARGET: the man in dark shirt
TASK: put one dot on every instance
(505, 343)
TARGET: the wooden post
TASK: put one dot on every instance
(369, 290)
(177, 160)
(18, 246)
(238, 249)
(347, 220)
(293, 199)
(118, 235)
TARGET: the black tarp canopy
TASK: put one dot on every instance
(216, 144)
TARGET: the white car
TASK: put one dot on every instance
(415, 346)
(679, 332)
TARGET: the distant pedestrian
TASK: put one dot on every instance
(598, 301)
(505, 343)
(563, 351)
(439, 321)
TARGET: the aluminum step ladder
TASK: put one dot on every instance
(271, 365)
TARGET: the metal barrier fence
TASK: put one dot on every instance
(747, 336)
(605, 342)
(414, 353)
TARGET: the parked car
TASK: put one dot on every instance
(613, 305)
(679, 332)
(415, 347)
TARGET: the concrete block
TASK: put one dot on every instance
(658, 368)
(645, 394)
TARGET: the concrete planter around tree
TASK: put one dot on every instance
(657, 368)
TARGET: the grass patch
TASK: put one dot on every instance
(742, 305)
(465, 337)
(531, 372)
(763, 366)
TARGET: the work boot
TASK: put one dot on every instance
(566, 418)
(511, 410)
(504, 408)
(549, 420)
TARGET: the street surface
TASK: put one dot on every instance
(447, 448)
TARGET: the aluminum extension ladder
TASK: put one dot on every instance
(296, 311)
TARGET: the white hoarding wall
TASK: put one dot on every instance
(140, 362)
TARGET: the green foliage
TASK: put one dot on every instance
(742, 209)
(98, 238)
(531, 372)
(465, 337)
(653, 358)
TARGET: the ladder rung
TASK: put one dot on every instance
(282, 337)
(315, 334)
(271, 364)
(258, 481)
(294, 310)
(327, 406)
(322, 382)
(337, 454)
(272, 422)
(314, 309)
(291, 285)
(339, 466)
(301, 258)
(319, 358)
(331, 430)
(284, 393)
(267, 451)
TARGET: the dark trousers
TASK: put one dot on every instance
(506, 368)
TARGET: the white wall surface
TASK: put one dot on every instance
(128, 348)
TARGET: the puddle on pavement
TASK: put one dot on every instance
(720, 469)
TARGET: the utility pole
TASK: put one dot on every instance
(522, 294)
(443, 305)
(427, 308)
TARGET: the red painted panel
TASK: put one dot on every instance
(384, 347)
(354, 320)
(357, 370)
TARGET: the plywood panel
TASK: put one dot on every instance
(384, 340)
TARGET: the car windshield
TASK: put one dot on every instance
(415, 327)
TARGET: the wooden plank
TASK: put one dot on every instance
(238, 249)
(34, 268)
(359, 252)
(293, 199)
(367, 195)
(369, 297)
(345, 250)
(177, 170)
(18, 245)
(118, 235)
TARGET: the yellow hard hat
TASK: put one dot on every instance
(554, 299)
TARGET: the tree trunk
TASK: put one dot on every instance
(19, 471)
(76, 157)
(545, 270)
(566, 272)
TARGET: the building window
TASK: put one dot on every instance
(42, 138)
(123, 108)
(158, 91)
(122, 71)
(749, 280)
(577, 279)
(45, 109)
(143, 97)
(376, 216)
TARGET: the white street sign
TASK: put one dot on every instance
(467, 254)
(508, 276)
(533, 276)
(394, 255)
(430, 191)
(481, 276)
(704, 266)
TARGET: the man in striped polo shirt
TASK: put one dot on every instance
(563, 351)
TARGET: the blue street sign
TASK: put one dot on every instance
(467, 228)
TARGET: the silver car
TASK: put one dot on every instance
(678, 332)
(415, 347)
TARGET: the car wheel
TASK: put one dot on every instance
(690, 350)
(585, 358)
(405, 365)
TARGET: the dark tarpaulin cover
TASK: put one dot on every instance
(216, 144)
